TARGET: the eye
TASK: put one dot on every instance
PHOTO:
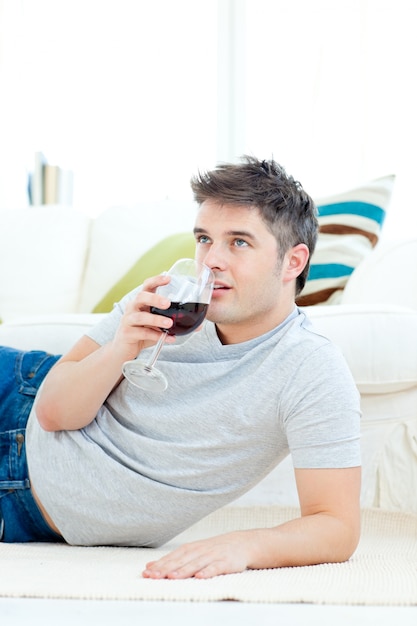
(203, 239)
(240, 243)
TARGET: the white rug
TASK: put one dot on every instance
(383, 571)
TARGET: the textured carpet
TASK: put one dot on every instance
(383, 571)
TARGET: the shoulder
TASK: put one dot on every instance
(314, 358)
(298, 335)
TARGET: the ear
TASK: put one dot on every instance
(295, 261)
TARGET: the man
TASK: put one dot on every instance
(111, 464)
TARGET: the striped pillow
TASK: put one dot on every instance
(350, 224)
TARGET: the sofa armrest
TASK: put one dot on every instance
(374, 339)
(53, 333)
(377, 343)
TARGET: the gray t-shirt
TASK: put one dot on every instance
(151, 464)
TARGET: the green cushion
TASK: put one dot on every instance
(155, 261)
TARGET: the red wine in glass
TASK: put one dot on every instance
(189, 292)
(187, 316)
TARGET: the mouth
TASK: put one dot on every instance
(220, 288)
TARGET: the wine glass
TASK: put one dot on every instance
(190, 292)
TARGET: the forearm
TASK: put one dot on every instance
(309, 540)
(328, 530)
(78, 385)
(74, 391)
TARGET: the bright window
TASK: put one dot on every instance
(330, 92)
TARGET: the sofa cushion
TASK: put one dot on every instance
(387, 275)
(121, 235)
(155, 261)
(350, 225)
(43, 254)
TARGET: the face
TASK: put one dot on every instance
(253, 291)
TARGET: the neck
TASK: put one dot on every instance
(230, 334)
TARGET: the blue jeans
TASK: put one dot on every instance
(21, 374)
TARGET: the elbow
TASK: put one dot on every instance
(45, 414)
(343, 554)
(346, 546)
(352, 546)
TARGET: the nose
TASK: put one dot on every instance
(215, 259)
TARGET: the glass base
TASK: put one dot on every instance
(144, 377)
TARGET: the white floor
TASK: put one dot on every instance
(19, 612)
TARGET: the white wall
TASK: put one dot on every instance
(136, 96)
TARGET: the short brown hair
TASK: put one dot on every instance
(287, 210)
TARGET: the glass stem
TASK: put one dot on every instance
(156, 350)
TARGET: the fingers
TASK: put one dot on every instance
(147, 296)
(201, 567)
(139, 316)
(151, 283)
(152, 321)
(138, 311)
(139, 327)
(199, 560)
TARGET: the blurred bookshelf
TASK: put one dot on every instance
(49, 183)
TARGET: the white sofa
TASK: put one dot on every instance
(57, 263)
